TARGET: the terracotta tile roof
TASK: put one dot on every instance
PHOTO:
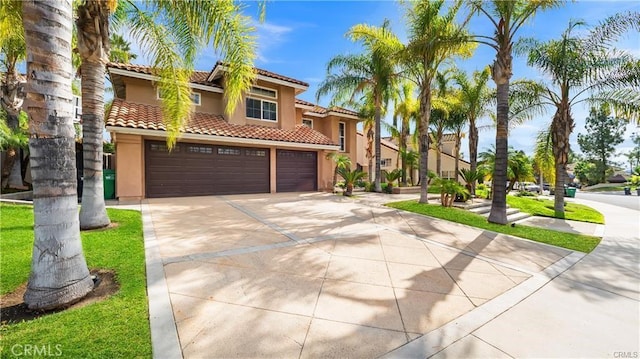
(322, 110)
(270, 74)
(449, 137)
(197, 77)
(343, 111)
(140, 116)
(304, 103)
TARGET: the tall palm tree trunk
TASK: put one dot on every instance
(377, 120)
(561, 128)
(457, 151)
(370, 141)
(423, 131)
(404, 135)
(498, 212)
(473, 151)
(59, 273)
(501, 72)
(93, 34)
(439, 155)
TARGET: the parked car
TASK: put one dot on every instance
(532, 187)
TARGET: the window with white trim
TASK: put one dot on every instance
(261, 109)
(385, 162)
(196, 97)
(307, 122)
(341, 135)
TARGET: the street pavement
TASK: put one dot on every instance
(591, 310)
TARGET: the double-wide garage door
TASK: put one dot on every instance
(193, 169)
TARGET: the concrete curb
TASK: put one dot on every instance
(164, 334)
(439, 339)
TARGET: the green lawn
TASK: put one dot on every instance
(578, 242)
(544, 208)
(114, 328)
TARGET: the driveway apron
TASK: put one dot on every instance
(320, 275)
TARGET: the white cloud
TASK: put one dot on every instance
(270, 37)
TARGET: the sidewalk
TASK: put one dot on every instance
(590, 310)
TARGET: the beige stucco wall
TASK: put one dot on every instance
(129, 167)
(144, 91)
(448, 147)
(286, 111)
(140, 91)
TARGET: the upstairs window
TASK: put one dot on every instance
(262, 109)
(385, 162)
(264, 92)
(341, 136)
(259, 108)
(307, 122)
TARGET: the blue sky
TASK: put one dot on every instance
(298, 38)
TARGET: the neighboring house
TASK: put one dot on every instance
(389, 156)
(272, 142)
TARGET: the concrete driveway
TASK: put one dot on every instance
(319, 275)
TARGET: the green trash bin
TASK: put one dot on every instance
(571, 192)
(109, 183)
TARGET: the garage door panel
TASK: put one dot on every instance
(198, 169)
(296, 171)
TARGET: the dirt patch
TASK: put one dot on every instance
(13, 310)
(111, 225)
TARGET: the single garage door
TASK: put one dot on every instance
(193, 169)
(296, 171)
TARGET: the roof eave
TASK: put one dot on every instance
(138, 75)
(223, 139)
(218, 69)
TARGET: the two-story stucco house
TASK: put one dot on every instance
(272, 142)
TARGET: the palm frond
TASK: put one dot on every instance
(610, 29)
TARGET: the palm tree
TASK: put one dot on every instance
(471, 177)
(372, 71)
(120, 50)
(411, 160)
(341, 161)
(350, 178)
(584, 69)
(171, 33)
(406, 110)
(543, 157)
(59, 273)
(506, 17)
(518, 166)
(474, 96)
(12, 52)
(391, 177)
(434, 36)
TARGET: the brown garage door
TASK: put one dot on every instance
(193, 169)
(296, 171)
